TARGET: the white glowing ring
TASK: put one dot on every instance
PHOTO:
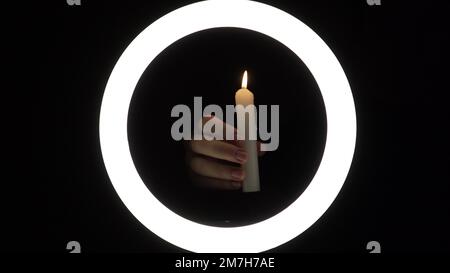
(337, 156)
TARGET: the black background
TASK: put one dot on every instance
(394, 57)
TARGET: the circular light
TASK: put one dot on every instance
(339, 147)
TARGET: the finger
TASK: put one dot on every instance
(228, 128)
(215, 169)
(235, 141)
(220, 150)
(214, 183)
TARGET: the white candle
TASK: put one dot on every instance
(245, 98)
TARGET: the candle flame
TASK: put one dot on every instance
(244, 80)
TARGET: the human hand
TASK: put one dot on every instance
(217, 164)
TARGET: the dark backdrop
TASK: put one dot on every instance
(394, 57)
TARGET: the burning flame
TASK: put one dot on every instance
(244, 80)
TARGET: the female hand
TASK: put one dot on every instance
(217, 163)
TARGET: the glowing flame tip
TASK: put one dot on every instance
(244, 80)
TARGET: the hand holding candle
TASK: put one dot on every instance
(227, 164)
(217, 164)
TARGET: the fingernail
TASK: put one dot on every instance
(236, 185)
(237, 175)
(241, 156)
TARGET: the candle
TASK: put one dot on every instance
(245, 98)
